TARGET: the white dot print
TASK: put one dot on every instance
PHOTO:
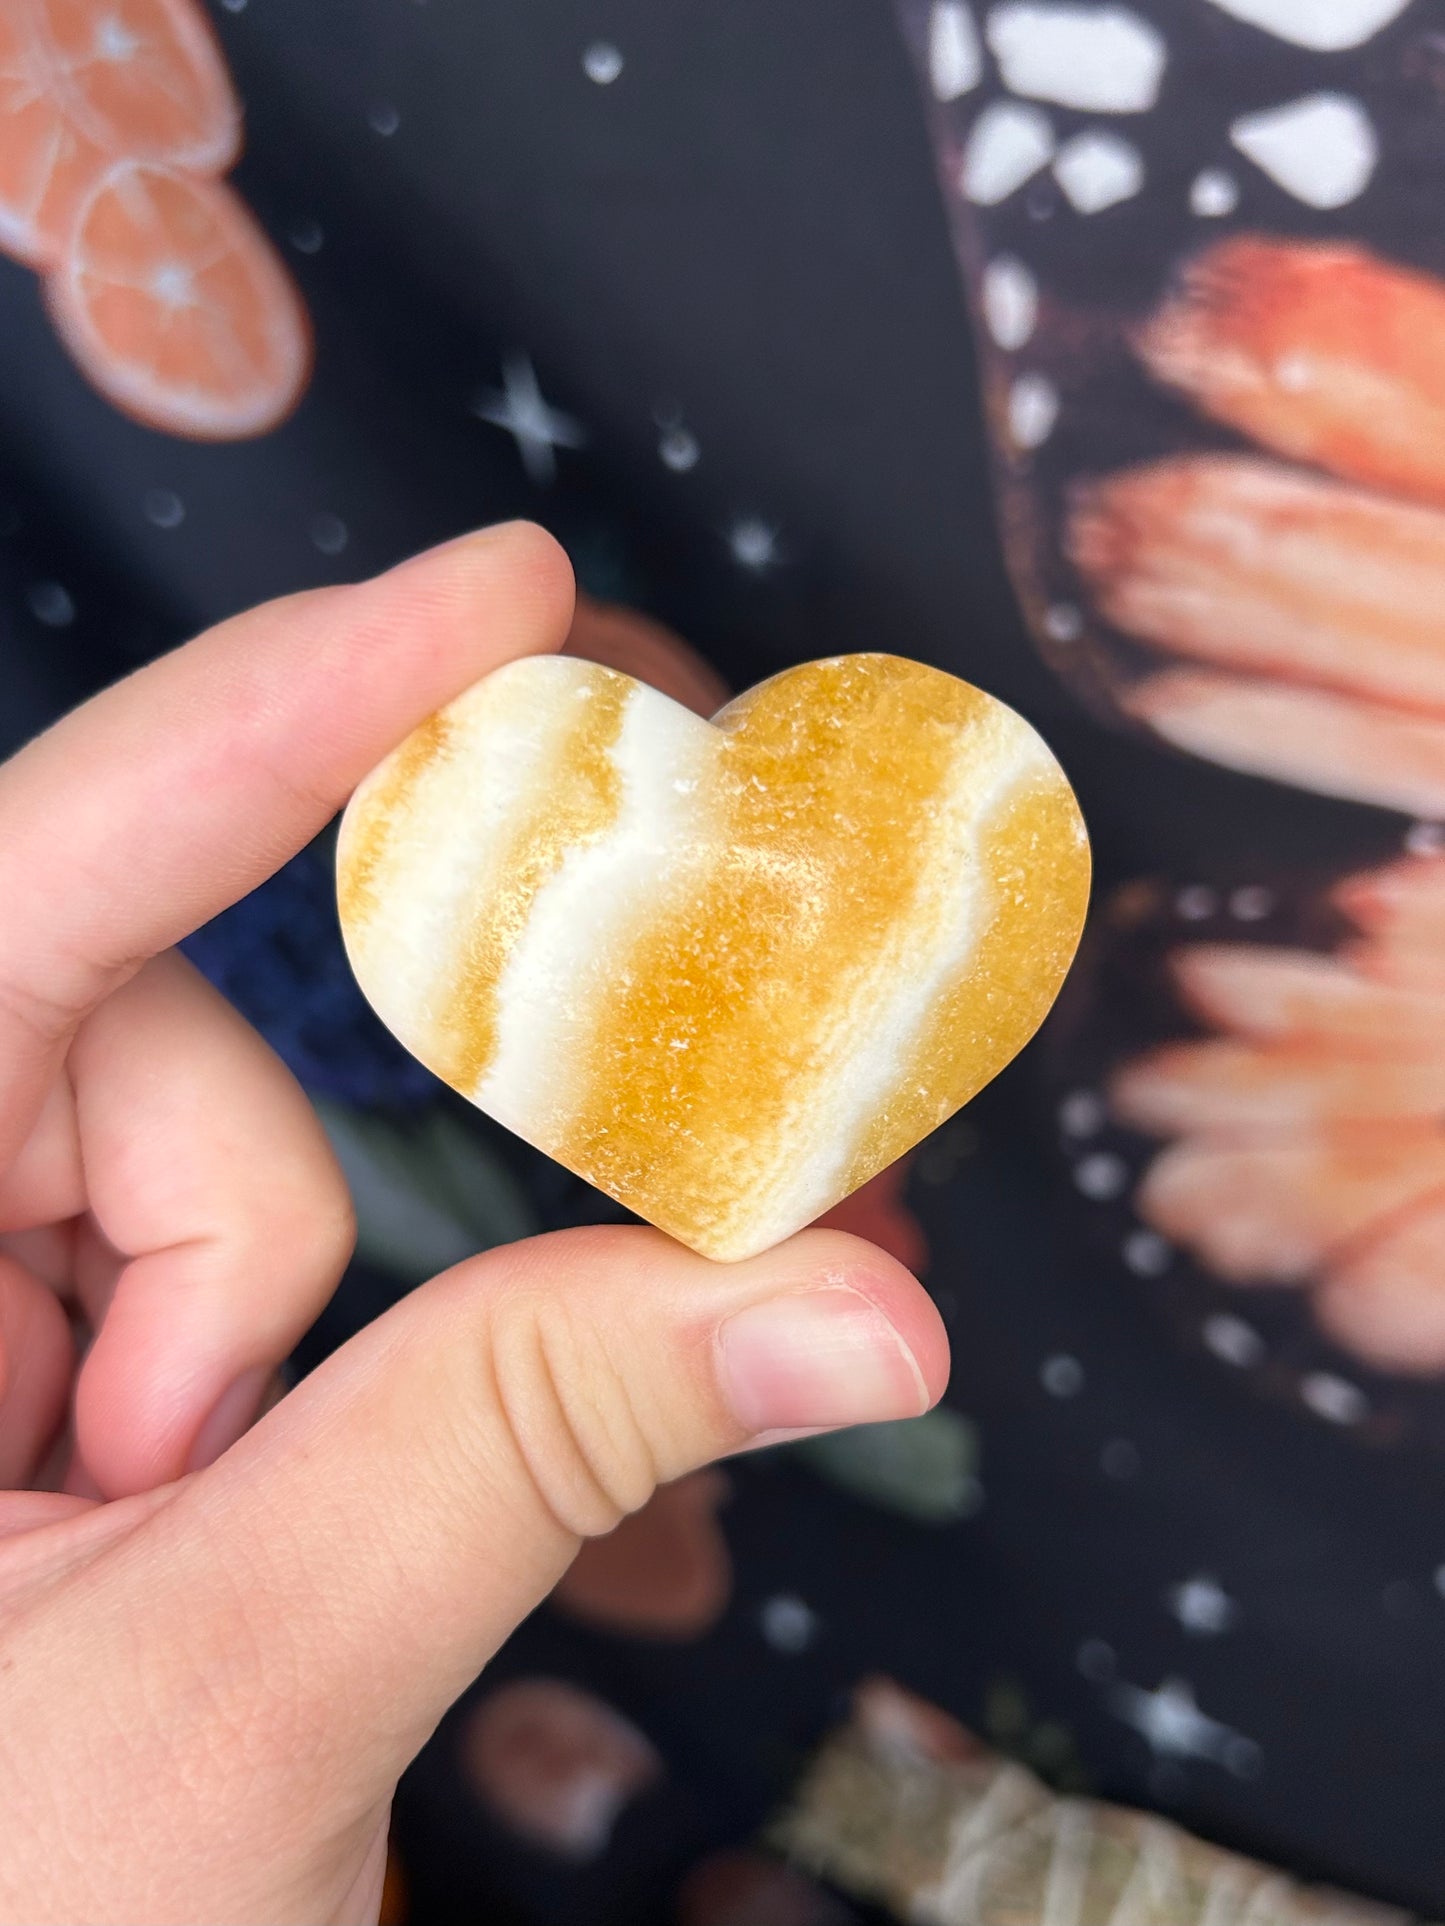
(788, 1624)
(1033, 408)
(329, 534)
(1101, 1176)
(164, 508)
(1010, 302)
(955, 59)
(602, 63)
(51, 604)
(1214, 194)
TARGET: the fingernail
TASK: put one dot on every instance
(230, 1417)
(816, 1360)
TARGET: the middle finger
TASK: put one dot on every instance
(207, 1169)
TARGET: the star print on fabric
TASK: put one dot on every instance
(1171, 1724)
(538, 429)
(678, 450)
(754, 544)
(1202, 1605)
(678, 447)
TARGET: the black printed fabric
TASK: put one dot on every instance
(808, 330)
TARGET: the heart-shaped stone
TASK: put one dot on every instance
(726, 971)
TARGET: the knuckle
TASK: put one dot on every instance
(571, 1414)
(307, 1212)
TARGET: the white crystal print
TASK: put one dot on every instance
(1010, 302)
(1324, 26)
(1322, 149)
(1097, 170)
(1008, 146)
(1105, 60)
(1214, 193)
(955, 59)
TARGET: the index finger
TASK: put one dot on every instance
(172, 794)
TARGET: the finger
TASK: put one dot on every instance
(361, 1553)
(22, 1512)
(207, 1167)
(172, 794)
(36, 1359)
(49, 1533)
(44, 1186)
(47, 1252)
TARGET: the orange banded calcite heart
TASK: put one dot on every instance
(726, 971)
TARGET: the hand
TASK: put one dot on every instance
(218, 1651)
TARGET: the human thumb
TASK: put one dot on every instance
(338, 1577)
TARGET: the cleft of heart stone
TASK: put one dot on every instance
(726, 971)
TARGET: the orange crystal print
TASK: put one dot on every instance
(726, 971)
